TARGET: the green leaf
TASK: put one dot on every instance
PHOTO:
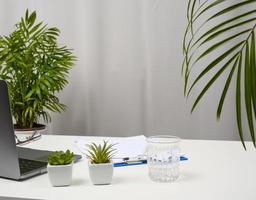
(24, 28)
(26, 15)
(35, 28)
(192, 13)
(214, 35)
(253, 72)
(247, 89)
(231, 8)
(218, 44)
(238, 102)
(215, 77)
(210, 6)
(191, 21)
(31, 19)
(221, 24)
(224, 92)
(214, 63)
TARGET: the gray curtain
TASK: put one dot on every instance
(127, 79)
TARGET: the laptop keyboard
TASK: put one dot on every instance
(30, 165)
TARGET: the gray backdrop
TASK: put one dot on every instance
(127, 79)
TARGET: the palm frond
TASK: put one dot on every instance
(225, 29)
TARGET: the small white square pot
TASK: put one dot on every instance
(60, 175)
(101, 174)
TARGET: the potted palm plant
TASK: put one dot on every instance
(35, 68)
(59, 168)
(100, 163)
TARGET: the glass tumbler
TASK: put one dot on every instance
(163, 158)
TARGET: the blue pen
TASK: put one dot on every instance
(183, 158)
(139, 162)
(123, 164)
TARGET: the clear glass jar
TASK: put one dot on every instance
(163, 158)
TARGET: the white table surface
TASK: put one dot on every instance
(215, 170)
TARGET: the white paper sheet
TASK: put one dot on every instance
(126, 147)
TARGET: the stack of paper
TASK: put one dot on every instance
(126, 147)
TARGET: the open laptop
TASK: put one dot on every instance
(17, 163)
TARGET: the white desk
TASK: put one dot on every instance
(216, 170)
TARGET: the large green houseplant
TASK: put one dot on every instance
(222, 32)
(35, 68)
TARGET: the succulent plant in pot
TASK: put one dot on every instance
(59, 168)
(100, 162)
(35, 68)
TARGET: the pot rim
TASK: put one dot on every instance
(59, 166)
(100, 164)
(36, 127)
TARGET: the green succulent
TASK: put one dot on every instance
(101, 153)
(61, 158)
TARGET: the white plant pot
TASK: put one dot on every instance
(26, 132)
(60, 175)
(29, 133)
(101, 174)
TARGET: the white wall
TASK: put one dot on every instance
(127, 79)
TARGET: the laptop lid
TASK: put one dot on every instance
(9, 163)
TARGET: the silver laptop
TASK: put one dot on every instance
(17, 163)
